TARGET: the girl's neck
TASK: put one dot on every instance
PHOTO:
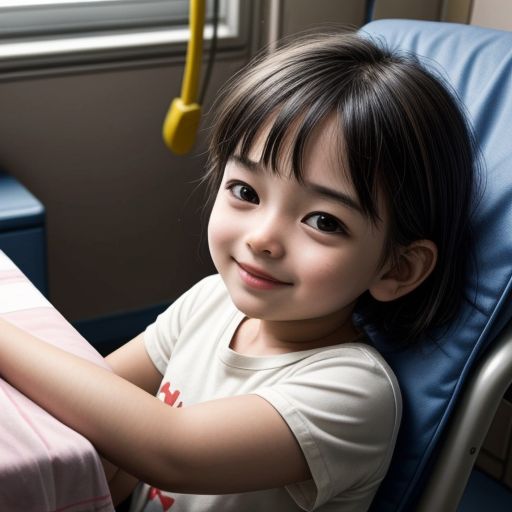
(264, 337)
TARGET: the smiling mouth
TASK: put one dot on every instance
(258, 278)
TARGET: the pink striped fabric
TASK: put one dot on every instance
(44, 465)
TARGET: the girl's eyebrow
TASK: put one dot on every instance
(339, 197)
(250, 165)
(329, 193)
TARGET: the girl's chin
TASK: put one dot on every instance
(254, 307)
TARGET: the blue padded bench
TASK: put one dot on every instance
(452, 387)
(22, 230)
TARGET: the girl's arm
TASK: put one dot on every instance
(131, 362)
(228, 445)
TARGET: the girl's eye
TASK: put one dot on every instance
(325, 223)
(244, 193)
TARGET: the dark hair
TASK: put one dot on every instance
(403, 133)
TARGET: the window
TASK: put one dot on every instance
(42, 32)
(21, 18)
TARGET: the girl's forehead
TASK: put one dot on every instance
(323, 158)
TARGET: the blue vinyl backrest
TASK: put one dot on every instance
(477, 62)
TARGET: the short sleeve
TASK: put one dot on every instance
(344, 407)
(161, 336)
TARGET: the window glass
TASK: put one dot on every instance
(26, 18)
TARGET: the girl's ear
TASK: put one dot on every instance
(413, 265)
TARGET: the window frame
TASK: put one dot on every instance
(54, 19)
(23, 51)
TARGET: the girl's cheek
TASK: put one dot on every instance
(218, 229)
(212, 229)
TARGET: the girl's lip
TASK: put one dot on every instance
(260, 274)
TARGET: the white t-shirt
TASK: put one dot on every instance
(341, 402)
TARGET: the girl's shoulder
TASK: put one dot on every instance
(207, 285)
(357, 365)
(358, 353)
(209, 292)
(205, 298)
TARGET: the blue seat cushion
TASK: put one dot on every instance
(477, 62)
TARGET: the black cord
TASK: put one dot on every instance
(212, 52)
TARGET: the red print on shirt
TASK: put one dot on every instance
(170, 398)
(165, 501)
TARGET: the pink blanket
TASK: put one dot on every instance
(44, 465)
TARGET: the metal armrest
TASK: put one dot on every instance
(469, 426)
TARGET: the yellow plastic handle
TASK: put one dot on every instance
(182, 120)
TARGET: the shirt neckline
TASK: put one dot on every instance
(236, 360)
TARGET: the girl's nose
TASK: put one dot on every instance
(266, 242)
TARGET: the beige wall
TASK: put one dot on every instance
(303, 15)
(456, 11)
(413, 9)
(122, 212)
(492, 14)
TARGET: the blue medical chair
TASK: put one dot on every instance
(452, 388)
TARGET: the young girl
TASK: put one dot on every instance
(343, 177)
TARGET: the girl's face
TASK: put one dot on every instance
(290, 251)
